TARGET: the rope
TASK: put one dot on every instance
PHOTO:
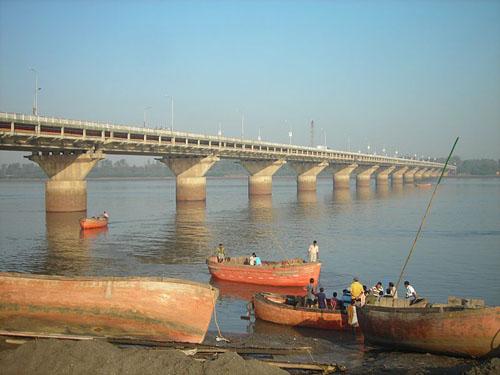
(425, 215)
(219, 337)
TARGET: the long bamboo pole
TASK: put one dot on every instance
(425, 215)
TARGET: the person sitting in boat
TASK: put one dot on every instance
(391, 291)
(258, 262)
(321, 298)
(411, 294)
(311, 291)
(377, 289)
(252, 259)
(334, 303)
(346, 298)
(221, 253)
(313, 252)
(105, 215)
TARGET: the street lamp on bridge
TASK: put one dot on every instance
(144, 118)
(171, 111)
(35, 99)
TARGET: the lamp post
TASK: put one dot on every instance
(144, 118)
(35, 99)
(219, 132)
(396, 152)
(242, 125)
(171, 111)
(259, 138)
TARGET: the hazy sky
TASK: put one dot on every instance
(405, 75)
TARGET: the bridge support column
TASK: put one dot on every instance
(383, 176)
(190, 184)
(260, 181)
(363, 178)
(66, 190)
(306, 174)
(427, 174)
(409, 176)
(419, 175)
(342, 177)
(397, 177)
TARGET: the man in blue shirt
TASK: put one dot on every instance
(321, 298)
(258, 261)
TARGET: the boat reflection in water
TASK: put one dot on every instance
(245, 292)
(91, 234)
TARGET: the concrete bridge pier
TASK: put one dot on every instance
(435, 173)
(190, 175)
(66, 189)
(409, 176)
(383, 176)
(397, 177)
(260, 181)
(307, 174)
(363, 179)
(419, 175)
(341, 178)
(427, 174)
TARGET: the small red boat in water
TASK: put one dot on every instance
(274, 308)
(148, 308)
(463, 330)
(93, 222)
(290, 272)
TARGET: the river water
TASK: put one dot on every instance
(366, 233)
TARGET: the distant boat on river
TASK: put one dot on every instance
(290, 272)
(273, 308)
(149, 308)
(93, 222)
(424, 185)
(454, 329)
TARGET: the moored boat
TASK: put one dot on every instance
(290, 272)
(424, 185)
(93, 222)
(453, 329)
(150, 308)
(274, 308)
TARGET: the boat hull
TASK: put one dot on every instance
(271, 307)
(158, 309)
(469, 332)
(93, 223)
(275, 274)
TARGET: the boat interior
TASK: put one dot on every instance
(245, 261)
(454, 303)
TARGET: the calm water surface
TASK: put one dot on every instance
(366, 233)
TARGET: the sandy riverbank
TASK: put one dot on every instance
(98, 357)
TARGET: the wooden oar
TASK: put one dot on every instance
(425, 215)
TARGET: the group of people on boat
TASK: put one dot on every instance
(357, 294)
(220, 252)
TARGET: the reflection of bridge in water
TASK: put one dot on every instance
(67, 150)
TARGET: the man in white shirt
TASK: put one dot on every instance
(410, 292)
(313, 252)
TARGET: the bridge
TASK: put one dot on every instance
(67, 150)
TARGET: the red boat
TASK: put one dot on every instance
(93, 222)
(149, 308)
(274, 308)
(470, 331)
(291, 272)
(229, 289)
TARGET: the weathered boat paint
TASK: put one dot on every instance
(151, 308)
(453, 330)
(93, 222)
(272, 308)
(285, 273)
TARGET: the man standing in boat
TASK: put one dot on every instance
(411, 294)
(105, 215)
(313, 252)
(221, 253)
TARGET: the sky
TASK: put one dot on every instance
(396, 75)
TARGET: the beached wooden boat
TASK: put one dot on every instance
(151, 308)
(424, 185)
(273, 308)
(93, 222)
(435, 328)
(291, 272)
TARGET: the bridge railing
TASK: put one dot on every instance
(244, 143)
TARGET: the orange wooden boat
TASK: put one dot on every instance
(273, 308)
(424, 185)
(93, 222)
(150, 308)
(245, 292)
(435, 328)
(291, 272)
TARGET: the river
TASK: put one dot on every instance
(366, 233)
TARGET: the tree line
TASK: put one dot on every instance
(120, 168)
